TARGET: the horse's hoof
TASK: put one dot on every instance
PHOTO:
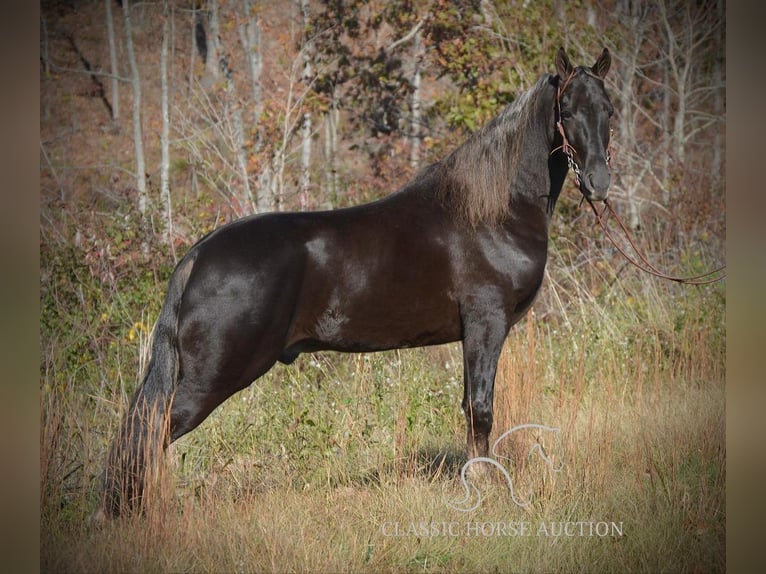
(478, 471)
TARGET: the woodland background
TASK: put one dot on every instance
(160, 121)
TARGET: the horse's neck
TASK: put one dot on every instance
(557, 173)
(541, 173)
(540, 177)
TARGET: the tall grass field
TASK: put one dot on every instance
(353, 463)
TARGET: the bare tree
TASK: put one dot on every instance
(688, 28)
(718, 94)
(143, 196)
(164, 136)
(636, 14)
(331, 148)
(245, 196)
(251, 35)
(305, 180)
(197, 38)
(417, 55)
(214, 43)
(113, 62)
(292, 118)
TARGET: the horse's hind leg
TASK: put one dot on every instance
(221, 351)
(200, 391)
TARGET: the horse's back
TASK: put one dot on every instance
(378, 277)
(373, 277)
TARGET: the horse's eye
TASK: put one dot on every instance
(610, 111)
(565, 114)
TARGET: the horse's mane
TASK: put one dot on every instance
(475, 181)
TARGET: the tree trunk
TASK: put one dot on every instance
(251, 37)
(679, 122)
(667, 103)
(718, 96)
(416, 104)
(305, 181)
(331, 153)
(165, 134)
(194, 47)
(245, 195)
(265, 200)
(214, 44)
(627, 134)
(636, 15)
(143, 197)
(335, 118)
(113, 63)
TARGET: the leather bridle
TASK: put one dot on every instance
(566, 147)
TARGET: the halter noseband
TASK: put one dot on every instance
(568, 148)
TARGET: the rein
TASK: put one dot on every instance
(642, 262)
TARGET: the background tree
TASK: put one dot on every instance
(689, 31)
(138, 138)
(386, 87)
(307, 53)
(115, 81)
(251, 37)
(631, 53)
(165, 134)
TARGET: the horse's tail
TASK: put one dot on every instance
(144, 430)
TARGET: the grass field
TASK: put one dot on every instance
(352, 463)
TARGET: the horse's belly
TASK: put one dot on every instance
(375, 321)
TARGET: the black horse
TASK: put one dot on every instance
(457, 254)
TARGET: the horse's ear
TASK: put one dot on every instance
(601, 67)
(563, 67)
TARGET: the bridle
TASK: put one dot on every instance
(640, 261)
(567, 147)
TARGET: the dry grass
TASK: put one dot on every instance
(348, 463)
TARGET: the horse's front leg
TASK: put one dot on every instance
(482, 343)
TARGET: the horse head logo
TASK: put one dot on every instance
(471, 490)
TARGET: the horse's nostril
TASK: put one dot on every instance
(599, 181)
(597, 184)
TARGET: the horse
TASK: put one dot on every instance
(457, 254)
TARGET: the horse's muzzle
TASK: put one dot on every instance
(595, 184)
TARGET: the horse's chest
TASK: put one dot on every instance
(518, 263)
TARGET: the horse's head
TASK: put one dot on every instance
(583, 111)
